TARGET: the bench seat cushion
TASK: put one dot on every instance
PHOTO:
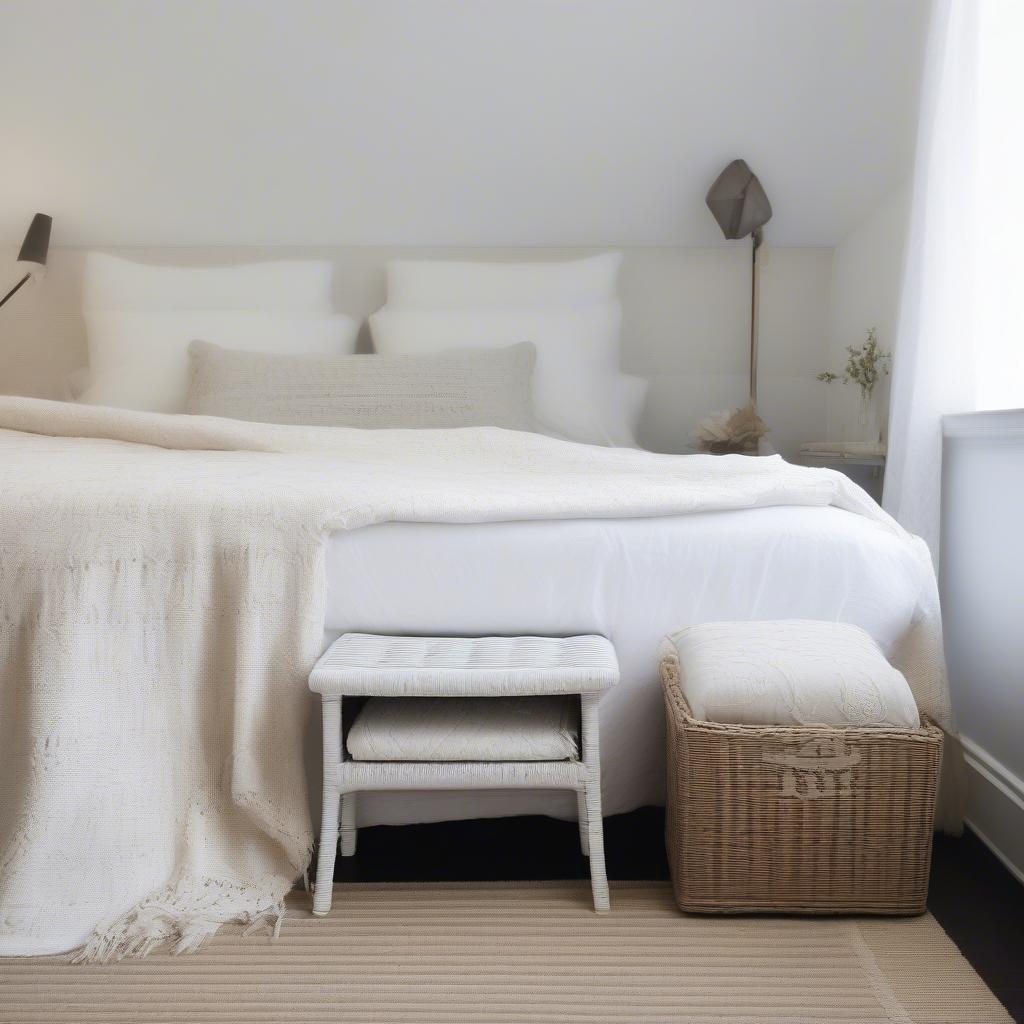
(466, 729)
(790, 672)
(363, 664)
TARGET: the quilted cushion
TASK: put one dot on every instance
(790, 672)
(466, 729)
(460, 666)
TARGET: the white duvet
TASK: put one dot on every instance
(632, 580)
(162, 597)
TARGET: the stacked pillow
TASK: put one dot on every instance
(569, 310)
(141, 318)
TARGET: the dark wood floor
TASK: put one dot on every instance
(972, 895)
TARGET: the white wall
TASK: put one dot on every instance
(220, 129)
(685, 325)
(449, 122)
(867, 272)
(981, 576)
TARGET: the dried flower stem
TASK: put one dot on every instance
(864, 365)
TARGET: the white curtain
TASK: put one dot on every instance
(960, 343)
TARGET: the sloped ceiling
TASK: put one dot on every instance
(461, 122)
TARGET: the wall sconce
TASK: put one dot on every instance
(33, 252)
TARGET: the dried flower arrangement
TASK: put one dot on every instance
(864, 366)
(735, 432)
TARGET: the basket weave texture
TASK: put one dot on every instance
(765, 819)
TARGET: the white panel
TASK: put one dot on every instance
(982, 565)
(995, 801)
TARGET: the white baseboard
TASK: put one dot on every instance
(995, 806)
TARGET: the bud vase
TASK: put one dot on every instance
(870, 422)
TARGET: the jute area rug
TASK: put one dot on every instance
(521, 953)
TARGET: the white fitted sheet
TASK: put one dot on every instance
(632, 580)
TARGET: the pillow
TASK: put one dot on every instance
(442, 284)
(459, 388)
(296, 286)
(465, 729)
(577, 356)
(139, 360)
(791, 672)
(630, 398)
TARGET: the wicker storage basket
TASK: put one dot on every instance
(797, 820)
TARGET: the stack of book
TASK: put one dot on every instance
(844, 449)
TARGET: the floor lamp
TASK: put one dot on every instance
(738, 202)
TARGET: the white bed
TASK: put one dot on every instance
(198, 545)
(165, 578)
(633, 580)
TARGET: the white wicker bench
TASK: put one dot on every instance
(363, 665)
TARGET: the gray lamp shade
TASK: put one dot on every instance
(738, 201)
(37, 240)
(33, 250)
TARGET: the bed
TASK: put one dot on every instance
(167, 581)
(632, 580)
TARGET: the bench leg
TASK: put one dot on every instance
(348, 825)
(595, 825)
(592, 795)
(331, 711)
(328, 851)
(581, 803)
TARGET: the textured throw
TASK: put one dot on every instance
(521, 954)
(161, 603)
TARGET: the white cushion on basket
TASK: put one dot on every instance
(793, 672)
(465, 729)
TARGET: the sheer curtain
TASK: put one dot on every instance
(960, 343)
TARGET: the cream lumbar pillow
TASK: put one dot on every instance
(790, 672)
(139, 360)
(460, 388)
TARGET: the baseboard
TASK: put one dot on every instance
(995, 806)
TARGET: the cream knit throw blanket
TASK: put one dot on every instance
(161, 603)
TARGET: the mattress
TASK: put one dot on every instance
(632, 580)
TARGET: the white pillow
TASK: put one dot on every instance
(577, 356)
(790, 672)
(300, 286)
(139, 360)
(465, 729)
(447, 285)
